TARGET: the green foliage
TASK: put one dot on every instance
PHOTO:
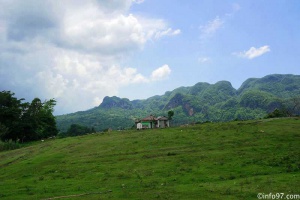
(278, 113)
(292, 105)
(259, 99)
(170, 114)
(11, 110)
(25, 121)
(77, 129)
(232, 160)
(283, 86)
(219, 92)
(3, 130)
(9, 145)
(109, 102)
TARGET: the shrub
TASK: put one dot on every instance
(278, 113)
(9, 145)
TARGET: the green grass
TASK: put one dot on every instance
(234, 160)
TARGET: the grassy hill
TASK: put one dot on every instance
(232, 160)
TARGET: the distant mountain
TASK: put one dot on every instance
(116, 102)
(277, 84)
(202, 102)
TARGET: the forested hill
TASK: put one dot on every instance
(202, 102)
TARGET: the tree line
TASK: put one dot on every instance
(23, 121)
(76, 130)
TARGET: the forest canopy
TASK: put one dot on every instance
(24, 121)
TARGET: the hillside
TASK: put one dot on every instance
(233, 160)
(202, 102)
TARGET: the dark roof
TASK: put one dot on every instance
(149, 118)
(152, 118)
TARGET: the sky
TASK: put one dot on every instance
(78, 52)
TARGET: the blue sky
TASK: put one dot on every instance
(198, 55)
(78, 52)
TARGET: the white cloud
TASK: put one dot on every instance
(253, 52)
(161, 73)
(211, 27)
(91, 31)
(74, 51)
(138, 1)
(168, 32)
(203, 59)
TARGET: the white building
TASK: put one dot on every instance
(153, 122)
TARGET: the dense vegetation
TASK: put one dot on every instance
(22, 121)
(233, 160)
(76, 130)
(202, 102)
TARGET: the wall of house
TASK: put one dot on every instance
(163, 124)
(146, 124)
(158, 124)
(139, 126)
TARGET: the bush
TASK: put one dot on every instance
(278, 113)
(9, 145)
(76, 130)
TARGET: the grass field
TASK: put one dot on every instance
(235, 160)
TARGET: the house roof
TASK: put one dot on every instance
(152, 118)
(162, 118)
(149, 118)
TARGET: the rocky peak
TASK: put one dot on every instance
(116, 102)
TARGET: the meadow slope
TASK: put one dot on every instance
(234, 160)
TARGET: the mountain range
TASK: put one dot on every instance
(199, 103)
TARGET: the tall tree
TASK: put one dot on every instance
(11, 110)
(47, 120)
(3, 130)
(26, 121)
(38, 122)
(170, 114)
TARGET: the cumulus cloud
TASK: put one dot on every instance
(105, 36)
(73, 51)
(253, 52)
(161, 73)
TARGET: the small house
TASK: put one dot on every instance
(152, 122)
(162, 122)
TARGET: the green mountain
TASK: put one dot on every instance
(202, 102)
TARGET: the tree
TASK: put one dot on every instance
(26, 121)
(170, 114)
(38, 122)
(77, 129)
(296, 105)
(3, 130)
(47, 126)
(11, 110)
(278, 113)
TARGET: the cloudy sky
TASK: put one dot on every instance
(78, 52)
